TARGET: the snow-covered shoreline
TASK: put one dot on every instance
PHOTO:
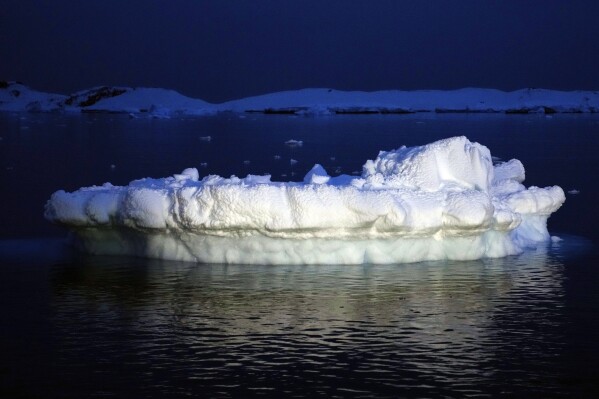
(16, 97)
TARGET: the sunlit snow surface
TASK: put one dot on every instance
(444, 200)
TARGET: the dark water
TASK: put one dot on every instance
(79, 326)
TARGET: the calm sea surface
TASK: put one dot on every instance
(74, 326)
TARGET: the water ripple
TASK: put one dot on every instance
(125, 327)
(432, 329)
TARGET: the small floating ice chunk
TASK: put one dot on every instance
(206, 138)
(292, 161)
(573, 191)
(294, 143)
(277, 157)
(556, 239)
(246, 162)
(112, 166)
(204, 164)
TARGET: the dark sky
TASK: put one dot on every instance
(219, 50)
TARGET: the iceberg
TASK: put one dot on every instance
(444, 200)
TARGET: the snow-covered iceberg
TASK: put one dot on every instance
(444, 200)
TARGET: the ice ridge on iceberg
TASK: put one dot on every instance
(444, 200)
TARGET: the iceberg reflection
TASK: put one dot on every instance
(441, 319)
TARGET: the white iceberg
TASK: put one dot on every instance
(443, 200)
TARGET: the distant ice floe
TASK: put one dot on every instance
(444, 200)
(573, 192)
(163, 104)
(294, 143)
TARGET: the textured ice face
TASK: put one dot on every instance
(433, 167)
(444, 200)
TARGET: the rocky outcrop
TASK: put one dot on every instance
(89, 97)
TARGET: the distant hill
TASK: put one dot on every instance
(163, 103)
